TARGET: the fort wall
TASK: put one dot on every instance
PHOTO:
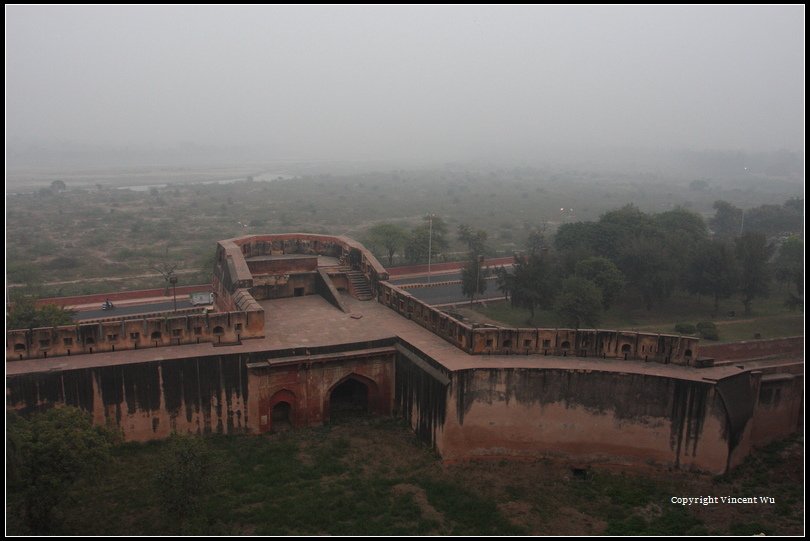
(305, 384)
(591, 416)
(491, 411)
(146, 400)
(649, 347)
(779, 408)
(246, 320)
(487, 412)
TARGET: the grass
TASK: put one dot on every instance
(769, 317)
(372, 477)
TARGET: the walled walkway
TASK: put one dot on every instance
(311, 321)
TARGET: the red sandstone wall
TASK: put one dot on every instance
(146, 400)
(217, 327)
(295, 281)
(562, 342)
(283, 266)
(778, 412)
(534, 413)
(307, 383)
(348, 251)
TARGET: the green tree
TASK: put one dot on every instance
(473, 280)
(727, 220)
(712, 270)
(475, 240)
(579, 303)
(25, 314)
(533, 282)
(389, 238)
(430, 233)
(46, 454)
(618, 227)
(166, 268)
(605, 275)
(682, 232)
(685, 225)
(789, 264)
(649, 266)
(578, 236)
(185, 475)
(753, 253)
(504, 281)
(771, 220)
(536, 241)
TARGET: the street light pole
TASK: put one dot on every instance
(430, 241)
(478, 261)
(173, 282)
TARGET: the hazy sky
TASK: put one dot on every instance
(407, 82)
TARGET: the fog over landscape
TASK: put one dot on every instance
(405, 270)
(133, 86)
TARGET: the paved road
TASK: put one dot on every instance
(447, 294)
(424, 279)
(131, 310)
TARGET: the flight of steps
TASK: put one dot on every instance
(358, 285)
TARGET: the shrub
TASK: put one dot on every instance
(708, 330)
(685, 328)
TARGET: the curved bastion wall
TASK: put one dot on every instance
(587, 394)
(239, 316)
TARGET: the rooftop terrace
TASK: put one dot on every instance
(311, 321)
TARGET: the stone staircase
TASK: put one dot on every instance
(359, 286)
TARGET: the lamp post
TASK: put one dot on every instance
(173, 282)
(479, 260)
(430, 240)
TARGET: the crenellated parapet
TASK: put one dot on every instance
(157, 330)
(496, 340)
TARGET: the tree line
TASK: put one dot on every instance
(49, 453)
(391, 239)
(589, 265)
(655, 255)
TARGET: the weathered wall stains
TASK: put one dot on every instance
(627, 396)
(779, 410)
(30, 392)
(146, 400)
(587, 414)
(688, 412)
(590, 415)
(739, 396)
(421, 396)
